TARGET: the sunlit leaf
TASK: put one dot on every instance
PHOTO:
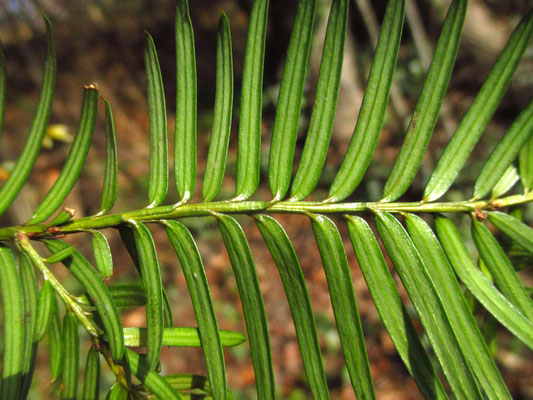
(342, 295)
(157, 111)
(425, 298)
(185, 130)
(518, 231)
(298, 297)
(20, 172)
(429, 103)
(202, 302)
(326, 96)
(252, 303)
(480, 112)
(289, 100)
(249, 151)
(505, 153)
(478, 284)
(13, 325)
(219, 142)
(370, 120)
(501, 269)
(391, 309)
(75, 160)
(110, 186)
(457, 310)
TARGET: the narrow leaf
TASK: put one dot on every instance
(76, 158)
(480, 112)
(344, 304)
(13, 325)
(525, 162)
(423, 294)
(157, 111)
(391, 309)
(428, 107)
(71, 346)
(505, 152)
(20, 172)
(123, 295)
(30, 295)
(126, 234)
(202, 302)
(60, 255)
(110, 186)
(478, 284)
(91, 378)
(181, 337)
(290, 100)
(323, 113)
(89, 279)
(501, 269)
(189, 382)
(506, 182)
(374, 105)
(117, 392)
(219, 141)
(128, 295)
(252, 303)
(65, 215)
(518, 232)
(151, 276)
(102, 254)
(185, 131)
(461, 319)
(249, 151)
(45, 308)
(55, 342)
(298, 297)
(151, 379)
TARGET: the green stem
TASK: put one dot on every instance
(71, 303)
(63, 294)
(253, 207)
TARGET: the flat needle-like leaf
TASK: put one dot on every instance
(323, 114)
(151, 276)
(505, 152)
(75, 160)
(478, 115)
(158, 179)
(290, 100)
(505, 277)
(194, 271)
(428, 304)
(461, 319)
(219, 142)
(249, 151)
(13, 325)
(344, 304)
(252, 303)
(185, 130)
(429, 103)
(478, 284)
(525, 163)
(298, 297)
(391, 309)
(519, 232)
(20, 172)
(110, 186)
(375, 100)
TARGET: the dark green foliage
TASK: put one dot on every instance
(432, 263)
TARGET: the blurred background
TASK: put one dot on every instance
(102, 41)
